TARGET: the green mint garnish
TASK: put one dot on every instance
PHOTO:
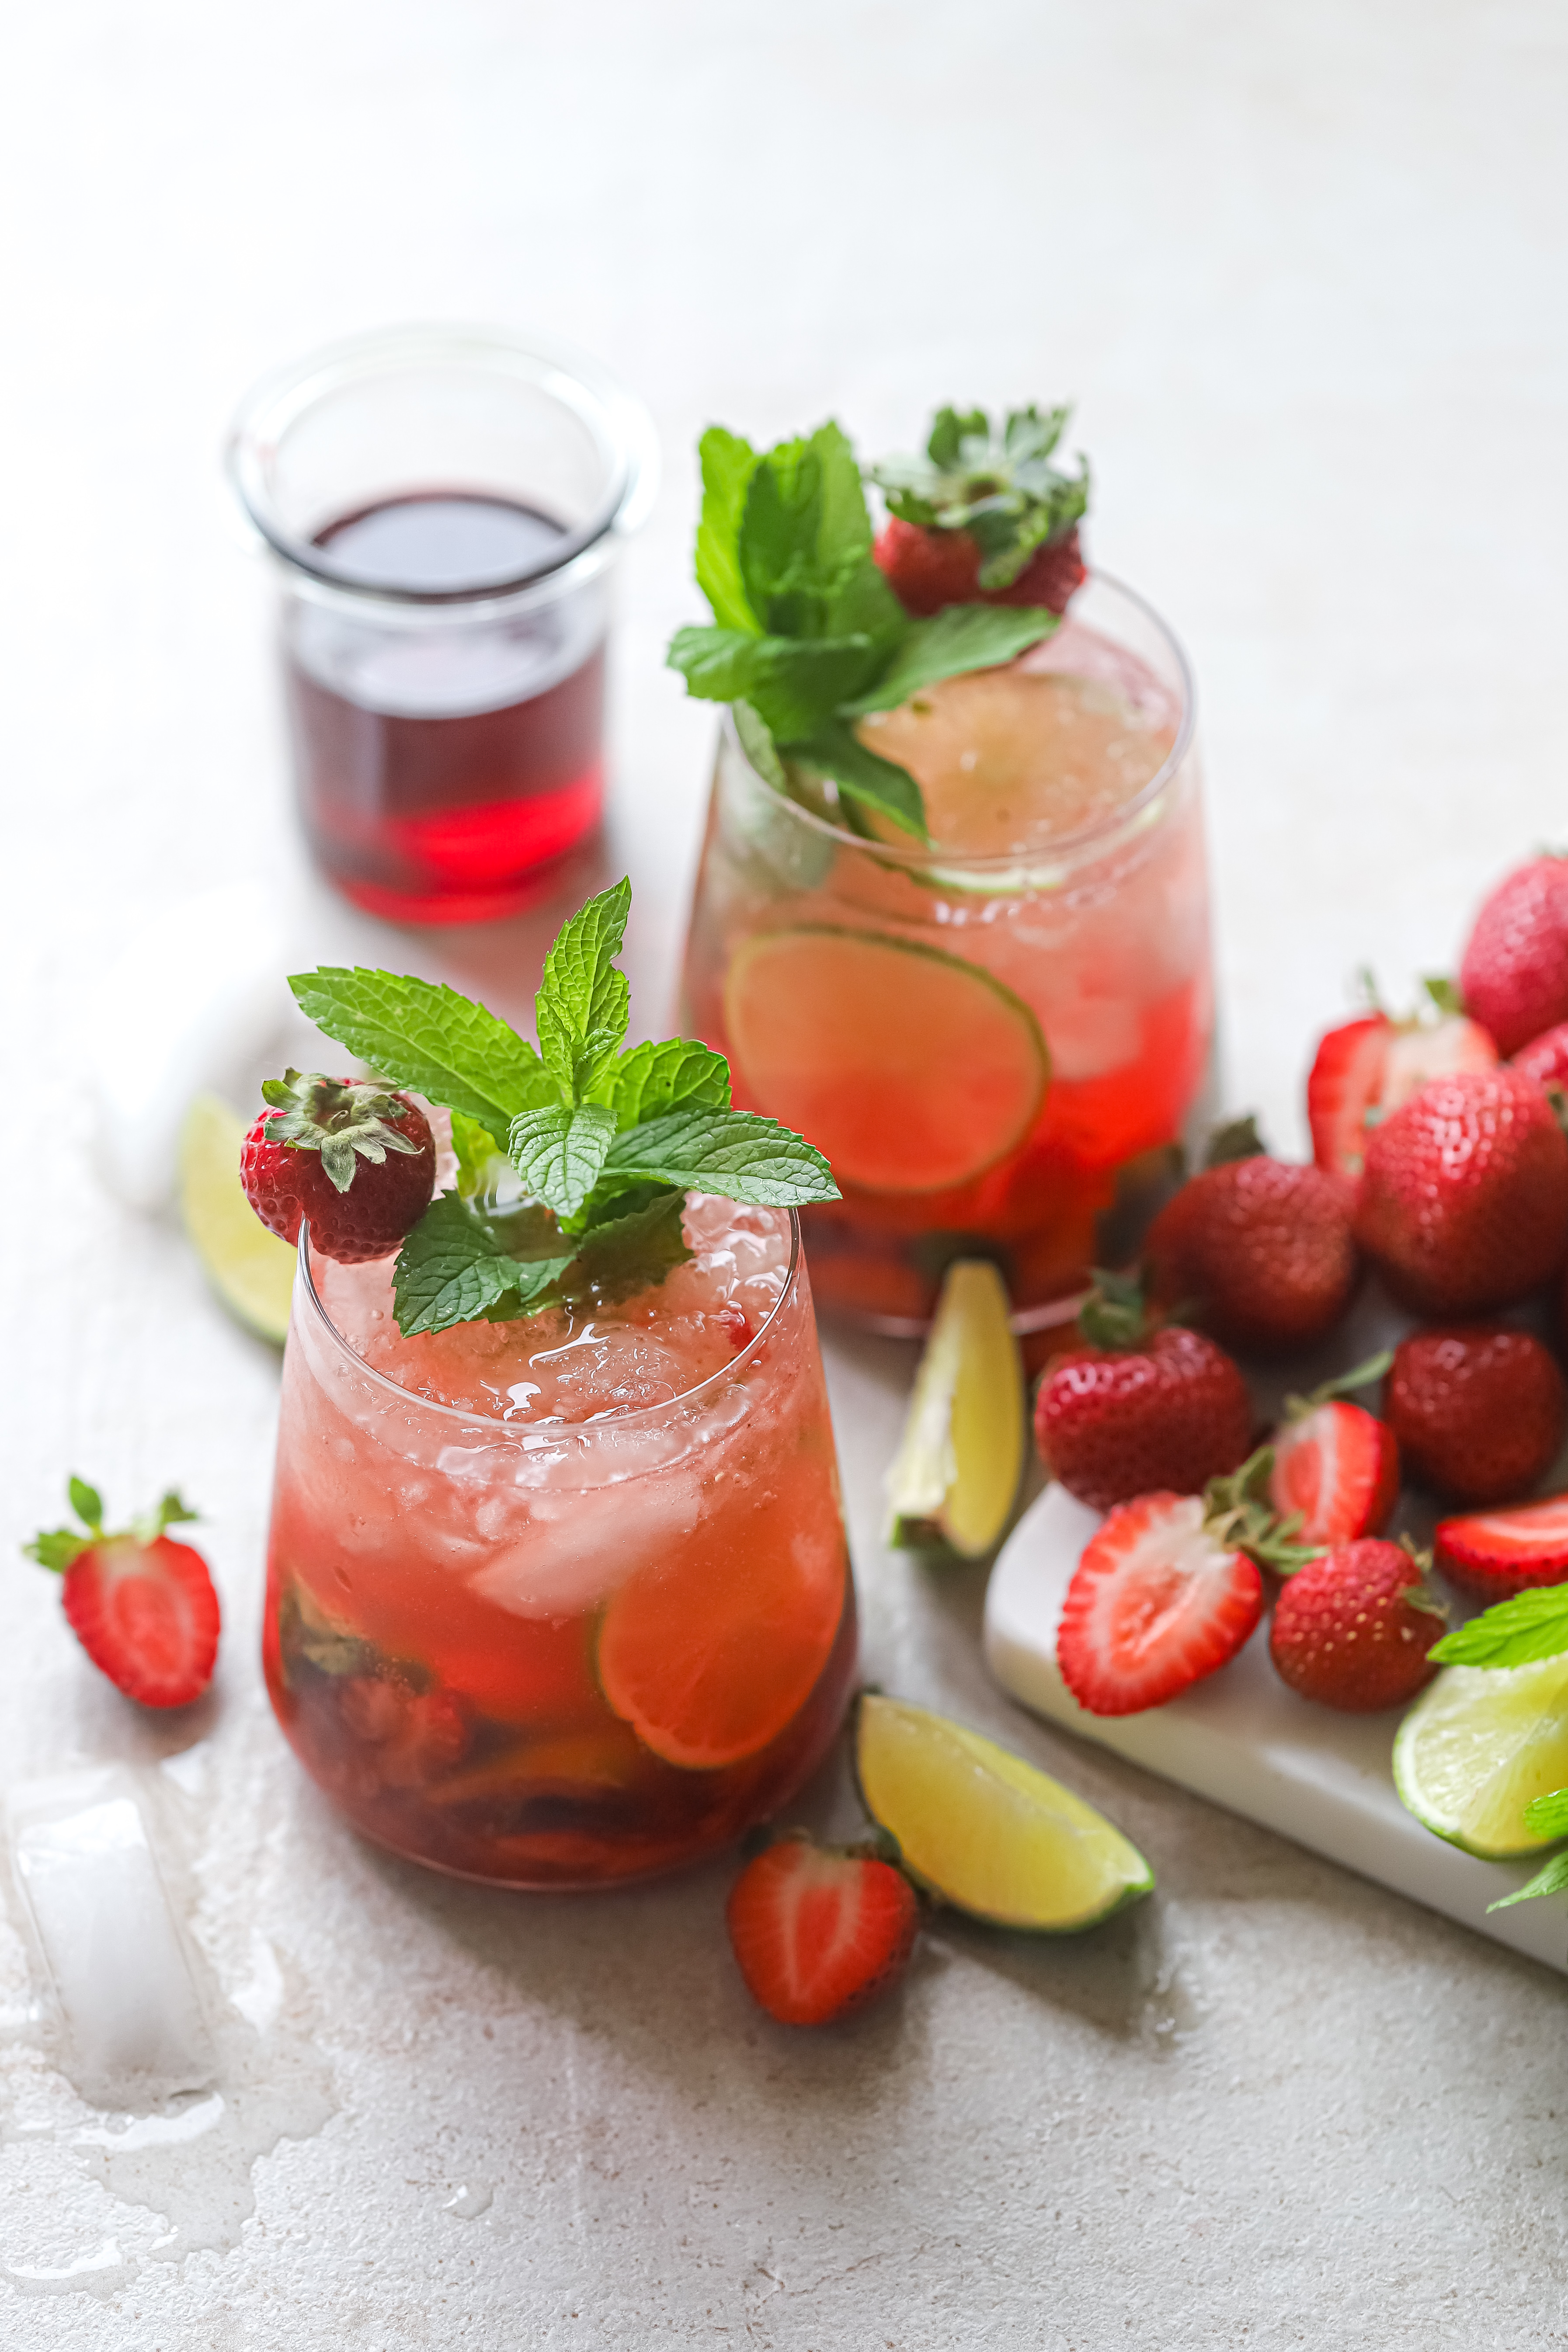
(1531, 1625)
(602, 1142)
(996, 482)
(808, 637)
(1547, 1817)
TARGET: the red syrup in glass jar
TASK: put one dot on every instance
(445, 756)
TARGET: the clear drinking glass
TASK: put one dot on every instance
(557, 1649)
(444, 507)
(996, 1048)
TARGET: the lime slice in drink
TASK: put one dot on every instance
(1477, 1746)
(910, 1068)
(250, 1269)
(986, 1831)
(957, 1469)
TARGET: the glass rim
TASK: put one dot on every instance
(929, 858)
(618, 421)
(555, 1433)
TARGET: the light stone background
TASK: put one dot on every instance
(1303, 270)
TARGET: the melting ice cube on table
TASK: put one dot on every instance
(88, 1877)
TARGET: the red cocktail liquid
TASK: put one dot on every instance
(445, 753)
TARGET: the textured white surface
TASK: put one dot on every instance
(1304, 270)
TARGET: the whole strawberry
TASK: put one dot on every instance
(984, 517)
(1140, 1406)
(353, 1159)
(142, 1606)
(1352, 1628)
(1514, 972)
(820, 1932)
(1479, 1410)
(1464, 1202)
(1261, 1251)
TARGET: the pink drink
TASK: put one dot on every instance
(563, 1599)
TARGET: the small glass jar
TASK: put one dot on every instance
(444, 506)
(996, 1052)
(557, 1654)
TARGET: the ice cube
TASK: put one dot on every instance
(86, 1873)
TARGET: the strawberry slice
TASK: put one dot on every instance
(142, 1606)
(1159, 1599)
(1336, 1465)
(1494, 1553)
(1364, 1069)
(818, 1931)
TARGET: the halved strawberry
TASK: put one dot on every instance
(1336, 1465)
(1494, 1553)
(142, 1606)
(1364, 1069)
(1167, 1592)
(820, 1931)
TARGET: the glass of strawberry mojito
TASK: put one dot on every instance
(954, 930)
(558, 1589)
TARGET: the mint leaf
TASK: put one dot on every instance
(1552, 1878)
(961, 638)
(793, 683)
(1548, 1815)
(728, 465)
(428, 1037)
(558, 1153)
(804, 533)
(677, 1075)
(1528, 1626)
(583, 1002)
(759, 747)
(455, 1266)
(627, 1254)
(480, 1159)
(834, 750)
(731, 1152)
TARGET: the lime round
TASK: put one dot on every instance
(250, 1269)
(989, 1833)
(1477, 1746)
(911, 1069)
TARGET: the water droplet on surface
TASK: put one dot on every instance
(474, 2198)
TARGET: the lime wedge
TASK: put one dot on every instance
(250, 1269)
(911, 1068)
(958, 1466)
(1477, 1746)
(986, 1831)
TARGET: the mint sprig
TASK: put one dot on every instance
(1519, 1632)
(808, 637)
(603, 1142)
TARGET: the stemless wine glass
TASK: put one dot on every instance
(995, 1051)
(558, 1652)
(444, 506)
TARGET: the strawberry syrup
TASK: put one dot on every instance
(444, 758)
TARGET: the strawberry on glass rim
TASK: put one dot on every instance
(141, 1605)
(983, 515)
(354, 1158)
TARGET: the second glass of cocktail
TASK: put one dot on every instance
(558, 1588)
(955, 928)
